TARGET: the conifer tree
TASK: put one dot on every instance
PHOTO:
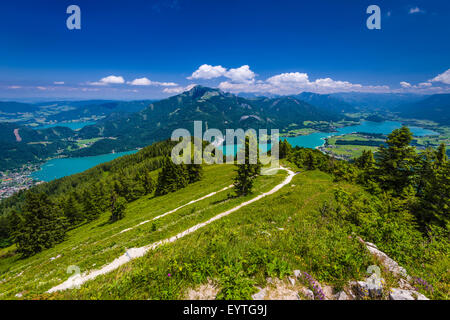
(91, 206)
(441, 155)
(73, 210)
(118, 209)
(285, 149)
(147, 182)
(247, 171)
(397, 161)
(194, 171)
(42, 225)
(171, 177)
(366, 160)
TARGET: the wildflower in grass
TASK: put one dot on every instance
(314, 286)
(419, 282)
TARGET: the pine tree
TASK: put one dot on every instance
(434, 202)
(147, 182)
(194, 172)
(91, 206)
(42, 226)
(310, 161)
(441, 155)
(285, 149)
(171, 177)
(247, 171)
(73, 210)
(366, 161)
(396, 165)
(118, 209)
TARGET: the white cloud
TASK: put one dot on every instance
(443, 77)
(109, 80)
(177, 90)
(147, 82)
(14, 87)
(415, 10)
(41, 88)
(405, 84)
(58, 82)
(243, 79)
(296, 82)
(241, 75)
(207, 71)
(289, 79)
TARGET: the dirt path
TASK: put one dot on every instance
(176, 209)
(133, 253)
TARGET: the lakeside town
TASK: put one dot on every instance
(12, 181)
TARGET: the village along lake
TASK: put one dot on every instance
(61, 167)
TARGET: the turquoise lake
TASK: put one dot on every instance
(71, 125)
(58, 168)
(317, 139)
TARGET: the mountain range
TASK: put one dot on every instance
(127, 125)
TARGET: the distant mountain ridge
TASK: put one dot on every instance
(376, 101)
(435, 107)
(326, 101)
(215, 108)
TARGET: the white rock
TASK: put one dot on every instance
(259, 295)
(371, 245)
(400, 294)
(307, 293)
(387, 262)
(292, 281)
(372, 287)
(297, 273)
(342, 296)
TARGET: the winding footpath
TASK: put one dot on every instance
(78, 279)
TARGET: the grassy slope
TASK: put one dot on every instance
(271, 237)
(97, 243)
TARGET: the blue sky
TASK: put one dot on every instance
(154, 48)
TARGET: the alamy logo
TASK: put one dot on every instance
(374, 21)
(262, 147)
(74, 20)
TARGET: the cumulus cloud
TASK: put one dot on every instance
(295, 82)
(147, 82)
(405, 84)
(415, 10)
(243, 79)
(443, 77)
(241, 74)
(177, 90)
(109, 80)
(207, 71)
(58, 82)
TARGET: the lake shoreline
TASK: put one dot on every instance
(314, 141)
